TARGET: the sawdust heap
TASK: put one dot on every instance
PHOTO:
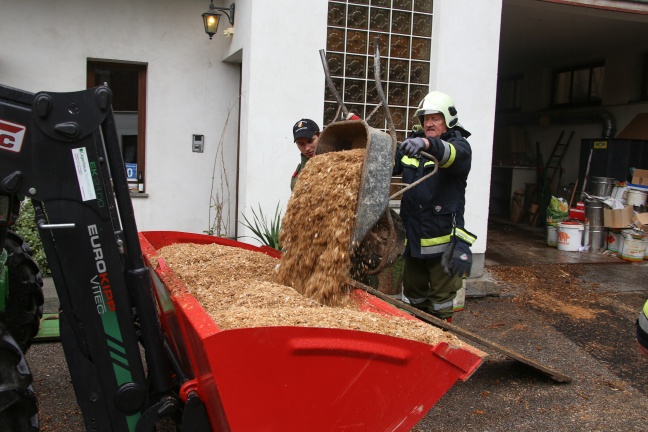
(234, 286)
(555, 287)
(316, 229)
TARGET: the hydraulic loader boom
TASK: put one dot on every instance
(61, 150)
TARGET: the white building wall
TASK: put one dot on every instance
(46, 45)
(282, 82)
(465, 44)
(272, 61)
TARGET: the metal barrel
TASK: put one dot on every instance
(594, 213)
(602, 186)
(595, 232)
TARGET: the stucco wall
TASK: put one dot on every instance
(464, 65)
(282, 82)
(189, 88)
(272, 61)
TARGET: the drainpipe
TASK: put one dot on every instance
(606, 119)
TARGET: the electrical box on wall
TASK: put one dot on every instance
(198, 143)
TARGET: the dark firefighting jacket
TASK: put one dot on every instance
(433, 211)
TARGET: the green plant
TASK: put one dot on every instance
(265, 230)
(26, 228)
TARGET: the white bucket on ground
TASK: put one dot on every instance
(634, 246)
(570, 235)
(636, 197)
(614, 240)
(552, 235)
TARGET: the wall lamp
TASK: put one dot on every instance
(211, 17)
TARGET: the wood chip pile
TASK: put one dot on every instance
(316, 229)
(240, 288)
(235, 288)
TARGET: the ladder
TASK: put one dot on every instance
(551, 168)
(553, 165)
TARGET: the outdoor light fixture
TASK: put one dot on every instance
(211, 18)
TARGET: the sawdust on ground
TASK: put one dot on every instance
(235, 288)
(555, 287)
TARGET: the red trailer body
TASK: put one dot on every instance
(299, 378)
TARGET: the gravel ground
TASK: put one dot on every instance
(610, 379)
(565, 310)
(573, 312)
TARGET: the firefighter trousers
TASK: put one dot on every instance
(428, 287)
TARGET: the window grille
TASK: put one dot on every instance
(578, 85)
(405, 31)
(644, 79)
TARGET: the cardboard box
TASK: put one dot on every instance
(619, 218)
(640, 177)
(641, 221)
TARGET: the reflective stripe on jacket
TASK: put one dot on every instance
(428, 209)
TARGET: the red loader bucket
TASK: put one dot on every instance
(300, 378)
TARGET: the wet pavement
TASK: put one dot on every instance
(510, 244)
(572, 311)
(518, 245)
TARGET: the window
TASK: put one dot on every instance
(405, 31)
(578, 85)
(128, 84)
(509, 94)
(644, 80)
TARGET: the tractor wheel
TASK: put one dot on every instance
(18, 406)
(24, 308)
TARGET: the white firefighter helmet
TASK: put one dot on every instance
(437, 102)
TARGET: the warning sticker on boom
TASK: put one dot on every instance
(84, 175)
(11, 136)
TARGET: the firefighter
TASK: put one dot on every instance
(642, 330)
(305, 133)
(437, 254)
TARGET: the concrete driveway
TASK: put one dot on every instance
(573, 312)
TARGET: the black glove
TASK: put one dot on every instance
(412, 146)
(457, 259)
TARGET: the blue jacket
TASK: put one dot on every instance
(432, 209)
